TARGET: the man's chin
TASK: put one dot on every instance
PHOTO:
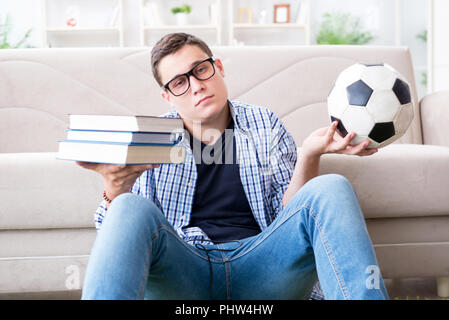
(209, 111)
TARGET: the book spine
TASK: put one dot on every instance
(139, 132)
(116, 143)
(105, 136)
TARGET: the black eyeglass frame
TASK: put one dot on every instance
(190, 73)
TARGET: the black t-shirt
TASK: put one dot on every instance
(220, 207)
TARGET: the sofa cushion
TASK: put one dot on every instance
(400, 180)
(42, 274)
(39, 191)
(46, 242)
(43, 260)
(435, 117)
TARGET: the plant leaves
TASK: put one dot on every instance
(342, 28)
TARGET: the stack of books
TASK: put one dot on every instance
(123, 139)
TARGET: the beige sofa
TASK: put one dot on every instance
(47, 206)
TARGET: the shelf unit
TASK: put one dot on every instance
(275, 33)
(213, 21)
(268, 26)
(206, 24)
(96, 29)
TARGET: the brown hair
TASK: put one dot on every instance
(171, 43)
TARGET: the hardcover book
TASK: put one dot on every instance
(119, 153)
(125, 123)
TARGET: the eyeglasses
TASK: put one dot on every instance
(202, 71)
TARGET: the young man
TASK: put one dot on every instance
(242, 219)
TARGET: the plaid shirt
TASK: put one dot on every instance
(266, 154)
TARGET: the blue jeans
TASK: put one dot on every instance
(321, 233)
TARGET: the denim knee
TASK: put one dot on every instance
(129, 207)
(126, 199)
(329, 183)
(328, 188)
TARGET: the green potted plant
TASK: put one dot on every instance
(181, 13)
(5, 29)
(342, 28)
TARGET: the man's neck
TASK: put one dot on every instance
(209, 131)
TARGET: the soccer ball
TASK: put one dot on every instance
(372, 100)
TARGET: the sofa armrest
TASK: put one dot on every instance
(37, 191)
(434, 109)
(400, 180)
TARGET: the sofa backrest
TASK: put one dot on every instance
(40, 87)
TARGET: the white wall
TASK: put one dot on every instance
(131, 27)
(24, 14)
(413, 20)
(440, 44)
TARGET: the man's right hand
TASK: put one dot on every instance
(118, 179)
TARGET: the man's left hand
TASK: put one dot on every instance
(327, 140)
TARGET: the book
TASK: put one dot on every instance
(119, 153)
(162, 138)
(125, 123)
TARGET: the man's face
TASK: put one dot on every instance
(205, 100)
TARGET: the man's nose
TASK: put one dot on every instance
(195, 84)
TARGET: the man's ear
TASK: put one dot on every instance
(165, 96)
(219, 66)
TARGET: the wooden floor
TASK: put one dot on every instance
(413, 289)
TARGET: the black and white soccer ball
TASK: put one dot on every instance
(372, 100)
